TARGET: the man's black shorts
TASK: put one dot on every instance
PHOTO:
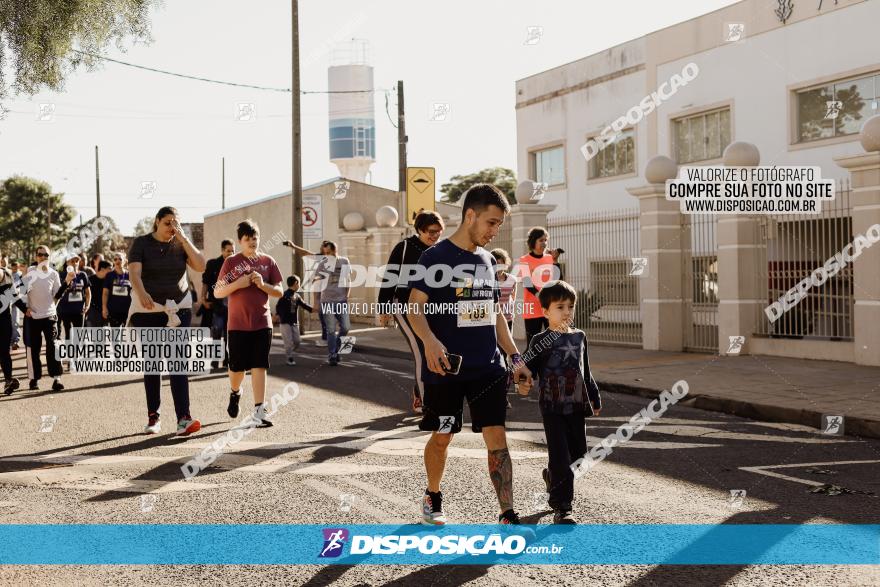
(249, 349)
(443, 404)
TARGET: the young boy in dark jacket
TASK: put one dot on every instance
(286, 309)
(567, 393)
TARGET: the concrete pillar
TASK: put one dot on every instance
(663, 304)
(741, 292)
(865, 200)
(523, 217)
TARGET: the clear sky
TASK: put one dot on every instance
(172, 131)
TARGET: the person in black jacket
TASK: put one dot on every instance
(288, 321)
(9, 298)
(428, 225)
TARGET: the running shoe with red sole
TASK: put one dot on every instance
(187, 426)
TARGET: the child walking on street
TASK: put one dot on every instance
(567, 393)
(288, 320)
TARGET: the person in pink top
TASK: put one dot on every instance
(248, 279)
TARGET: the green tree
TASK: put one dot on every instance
(97, 236)
(501, 177)
(144, 226)
(26, 207)
(43, 41)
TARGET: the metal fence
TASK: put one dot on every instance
(700, 286)
(795, 246)
(598, 262)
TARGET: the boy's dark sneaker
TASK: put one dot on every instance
(562, 517)
(509, 517)
(57, 385)
(33, 384)
(333, 360)
(11, 386)
(545, 475)
(232, 408)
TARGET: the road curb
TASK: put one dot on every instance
(853, 426)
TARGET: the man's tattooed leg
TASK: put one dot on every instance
(501, 474)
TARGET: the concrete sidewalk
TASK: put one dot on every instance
(773, 389)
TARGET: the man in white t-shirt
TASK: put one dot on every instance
(41, 286)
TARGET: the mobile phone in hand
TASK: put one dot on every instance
(454, 363)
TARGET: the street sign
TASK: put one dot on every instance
(420, 188)
(312, 217)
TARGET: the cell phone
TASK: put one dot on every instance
(454, 363)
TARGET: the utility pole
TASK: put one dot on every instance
(97, 181)
(401, 150)
(296, 151)
(223, 183)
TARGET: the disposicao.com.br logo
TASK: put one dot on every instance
(428, 544)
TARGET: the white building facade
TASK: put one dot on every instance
(768, 88)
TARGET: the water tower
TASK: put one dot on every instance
(352, 118)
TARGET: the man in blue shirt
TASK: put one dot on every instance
(453, 312)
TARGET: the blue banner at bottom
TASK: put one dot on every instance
(624, 544)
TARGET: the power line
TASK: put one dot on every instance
(220, 82)
(185, 76)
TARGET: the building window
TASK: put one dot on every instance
(617, 158)
(837, 109)
(549, 165)
(701, 137)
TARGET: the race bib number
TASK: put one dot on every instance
(75, 296)
(120, 290)
(476, 313)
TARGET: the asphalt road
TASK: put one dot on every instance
(347, 450)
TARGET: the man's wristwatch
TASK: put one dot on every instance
(516, 359)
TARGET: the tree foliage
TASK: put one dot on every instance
(144, 226)
(43, 41)
(26, 205)
(503, 178)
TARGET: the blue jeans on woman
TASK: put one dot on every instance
(153, 383)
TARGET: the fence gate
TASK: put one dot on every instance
(598, 262)
(700, 286)
(795, 245)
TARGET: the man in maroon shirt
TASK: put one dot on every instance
(248, 279)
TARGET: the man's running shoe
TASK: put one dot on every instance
(509, 517)
(545, 474)
(320, 342)
(562, 517)
(187, 426)
(432, 509)
(333, 360)
(291, 361)
(232, 408)
(33, 384)
(11, 386)
(57, 385)
(261, 419)
(153, 425)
